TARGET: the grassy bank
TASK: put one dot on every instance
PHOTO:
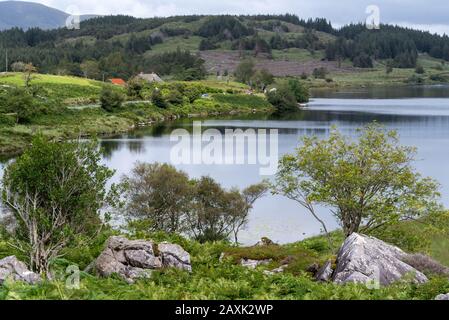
(76, 111)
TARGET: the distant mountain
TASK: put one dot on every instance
(27, 15)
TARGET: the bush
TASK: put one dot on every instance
(20, 102)
(207, 44)
(414, 79)
(363, 61)
(159, 194)
(175, 97)
(420, 69)
(320, 73)
(426, 265)
(162, 198)
(110, 99)
(53, 192)
(7, 120)
(282, 98)
(245, 71)
(135, 87)
(300, 91)
(158, 99)
(286, 96)
(439, 78)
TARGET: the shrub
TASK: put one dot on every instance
(414, 79)
(159, 194)
(420, 69)
(20, 102)
(158, 99)
(261, 79)
(7, 120)
(110, 99)
(245, 71)
(426, 265)
(320, 73)
(54, 191)
(165, 199)
(135, 87)
(439, 78)
(300, 91)
(363, 61)
(175, 97)
(18, 66)
(282, 98)
(286, 96)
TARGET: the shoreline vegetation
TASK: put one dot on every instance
(75, 108)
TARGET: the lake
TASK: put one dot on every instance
(419, 114)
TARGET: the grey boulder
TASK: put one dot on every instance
(442, 297)
(364, 259)
(325, 273)
(134, 259)
(174, 256)
(12, 268)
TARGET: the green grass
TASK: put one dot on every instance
(439, 249)
(67, 123)
(190, 43)
(16, 79)
(212, 279)
(62, 89)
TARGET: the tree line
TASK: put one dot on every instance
(398, 44)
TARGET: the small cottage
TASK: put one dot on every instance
(150, 77)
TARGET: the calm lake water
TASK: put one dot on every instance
(419, 114)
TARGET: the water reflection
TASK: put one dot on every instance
(423, 123)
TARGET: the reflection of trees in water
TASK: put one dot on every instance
(108, 147)
(384, 92)
(136, 146)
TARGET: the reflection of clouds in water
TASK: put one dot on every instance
(281, 219)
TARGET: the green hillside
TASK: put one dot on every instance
(192, 47)
(64, 107)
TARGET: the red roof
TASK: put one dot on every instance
(118, 81)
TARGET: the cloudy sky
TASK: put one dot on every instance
(430, 14)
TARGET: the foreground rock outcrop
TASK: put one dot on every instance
(325, 273)
(133, 259)
(12, 268)
(364, 259)
(442, 297)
